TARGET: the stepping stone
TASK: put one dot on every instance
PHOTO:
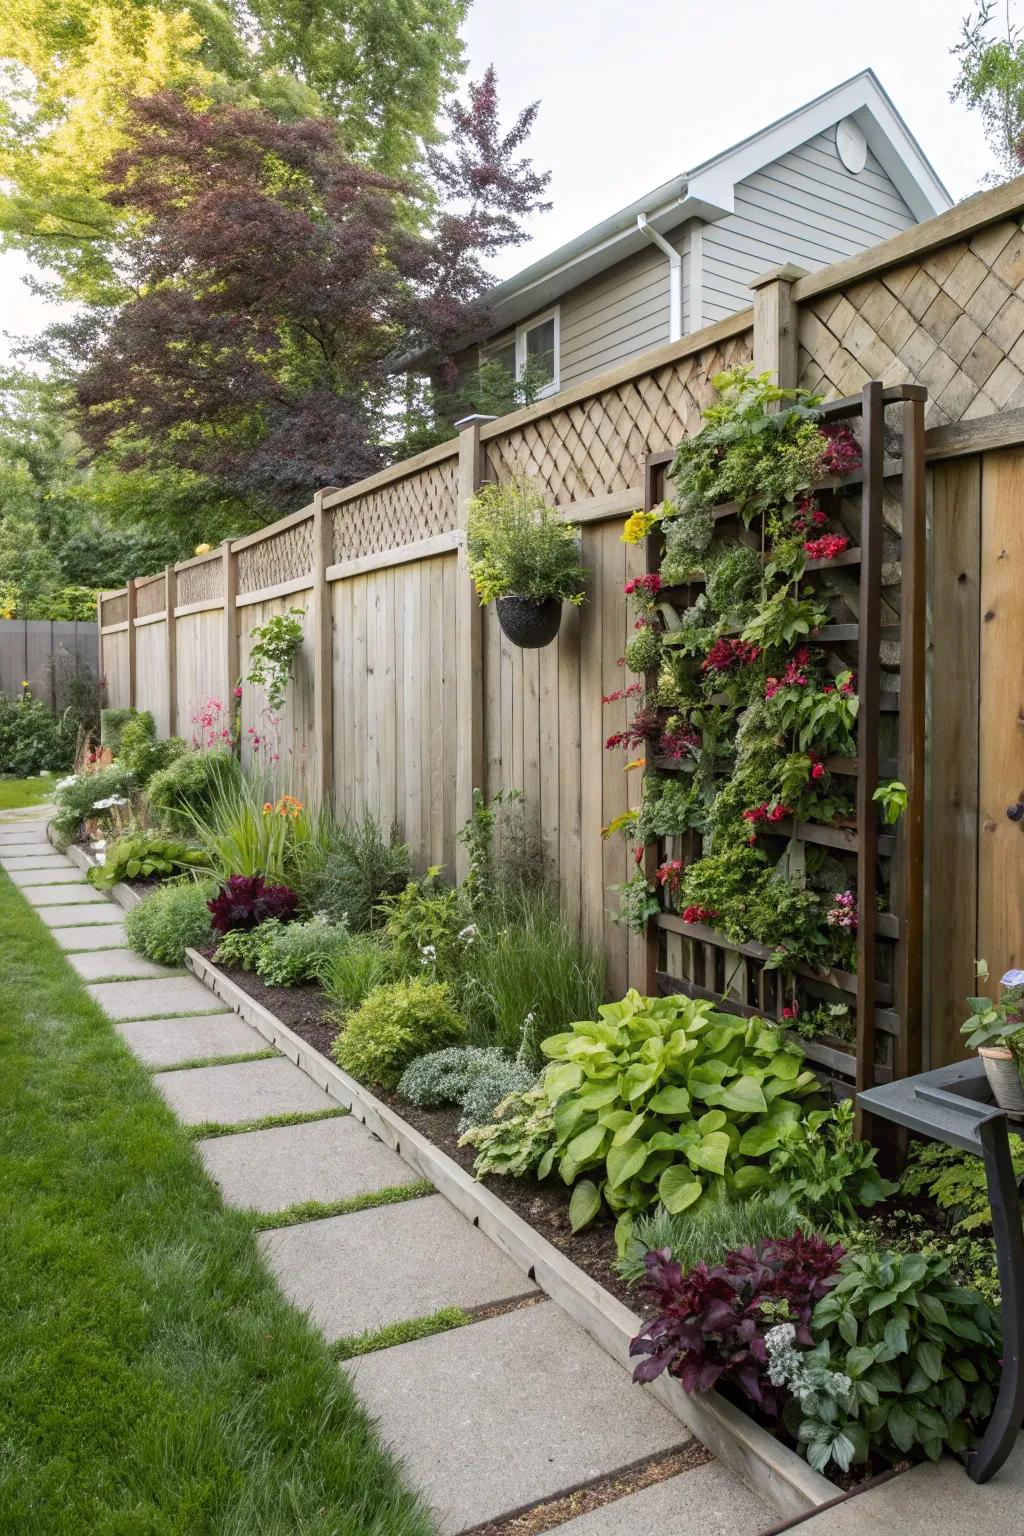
(59, 895)
(35, 861)
(158, 1000)
(710, 1500)
(67, 875)
(27, 851)
(323, 1160)
(410, 1259)
(106, 964)
(97, 936)
(165, 1042)
(71, 915)
(576, 1414)
(249, 1090)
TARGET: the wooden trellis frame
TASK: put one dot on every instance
(887, 986)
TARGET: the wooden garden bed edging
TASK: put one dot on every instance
(781, 1477)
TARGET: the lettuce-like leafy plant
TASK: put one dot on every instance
(661, 1098)
(143, 856)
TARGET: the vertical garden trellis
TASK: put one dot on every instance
(880, 578)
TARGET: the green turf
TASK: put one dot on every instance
(206, 1130)
(153, 1381)
(316, 1210)
(15, 793)
(401, 1333)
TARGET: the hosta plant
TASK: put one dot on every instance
(664, 1098)
(143, 856)
(517, 1140)
(921, 1355)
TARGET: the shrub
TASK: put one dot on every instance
(711, 1323)
(707, 1234)
(86, 797)
(518, 544)
(476, 1079)
(517, 1139)
(112, 723)
(426, 926)
(352, 869)
(239, 947)
(355, 969)
(288, 954)
(188, 785)
(955, 1180)
(173, 919)
(245, 901)
(141, 753)
(142, 856)
(245, 833)
(919, 1354)
(665, 1098)
(31, 740)
(526, 973)
(392, 1026)
(829, 1174)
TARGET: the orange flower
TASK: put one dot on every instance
(267, 808)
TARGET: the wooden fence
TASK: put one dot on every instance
(45, 653)
(407, 695)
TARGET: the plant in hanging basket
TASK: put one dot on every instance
(525, 558)
(996, 1031)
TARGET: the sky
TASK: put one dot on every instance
(634, 92)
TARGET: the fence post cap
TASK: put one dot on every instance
(473, 421)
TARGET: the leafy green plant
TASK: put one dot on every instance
(242, 832)
(31, 739)
(827, 1172)
(141, 753)
(784, 620)
(518, 1138)
(142, 856)
(519, 545)
(920, 1354)
(475, 1078)
(351, 868)
(188, 786)
(477, 837)
(239, 947)
(272, 657)
(643, 650)
(955, 1180)
(638, 902)
(289, 954)
(392, 1026)
(1002, 1020)
(672, 804)
(112, 723)
(892, 797)
(173, 919)
(355, 969)
(823, 718)
(426, 926)
(706, 1234)
(83, 797)
(665, 1099)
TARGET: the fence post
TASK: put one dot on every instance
(101, 672)
(323, 648)
(230, 630)
(775, 327)
(130, 602)
(171, 646)
(469, 696)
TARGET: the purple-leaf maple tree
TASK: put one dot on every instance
(275, 282)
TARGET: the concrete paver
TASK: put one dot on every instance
(26, 850)
(93, 937)
(412, 1259)
(155, 999)
(60, 896)
(68, 876)
(322, 1160)
(710, 1500)
(94, 964)
(165, 1042)
(81, 915)
(37, 859)
(246, 1091)
(508, 1411)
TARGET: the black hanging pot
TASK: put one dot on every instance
(529, 623)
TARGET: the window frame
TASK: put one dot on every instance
(518, 339)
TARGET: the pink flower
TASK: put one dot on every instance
(818, 771)
(791, 1012)
(238, 691)
(827, 547)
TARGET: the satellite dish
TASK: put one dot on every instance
(851, 145)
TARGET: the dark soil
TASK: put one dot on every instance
(304, 1009)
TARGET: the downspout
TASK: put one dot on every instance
(675, 276)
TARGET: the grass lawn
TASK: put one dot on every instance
(18, 792)
(153, 1382)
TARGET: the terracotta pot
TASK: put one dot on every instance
(528, 623)
(1003, 1072)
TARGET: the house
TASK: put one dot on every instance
(830, 179)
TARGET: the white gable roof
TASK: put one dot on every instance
(708, 192)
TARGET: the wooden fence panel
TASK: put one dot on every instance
(151, 682)
(201, 660)
(116, 669)
(280, 744)
(46, 653)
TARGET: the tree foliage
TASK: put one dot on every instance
(991, 82)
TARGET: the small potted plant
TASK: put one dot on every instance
(996, 1029)
(525, 558)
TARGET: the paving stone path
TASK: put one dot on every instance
(516, 1407)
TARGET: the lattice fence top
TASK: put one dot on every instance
(598, 445)
(281, 557)
(952, 321)
(200, 583)
(151, 597)
(115, 609)
(403, 512)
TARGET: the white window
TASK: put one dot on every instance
(532, 352)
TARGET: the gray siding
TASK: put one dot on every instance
(806, 208)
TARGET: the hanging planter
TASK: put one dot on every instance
(528, 622)
(525, 558)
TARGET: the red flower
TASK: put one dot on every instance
(818, 771)
(842, 451)
(827, 547)
(669, 875)
(729, 653)
(699, 914)
(623, 693)
(648, 586)
(792, 1012)
(678, 743)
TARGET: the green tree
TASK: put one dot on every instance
(991, 83)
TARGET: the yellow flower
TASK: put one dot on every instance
(637, 762)
(24, 682)
(203, 549)
(638, 525)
